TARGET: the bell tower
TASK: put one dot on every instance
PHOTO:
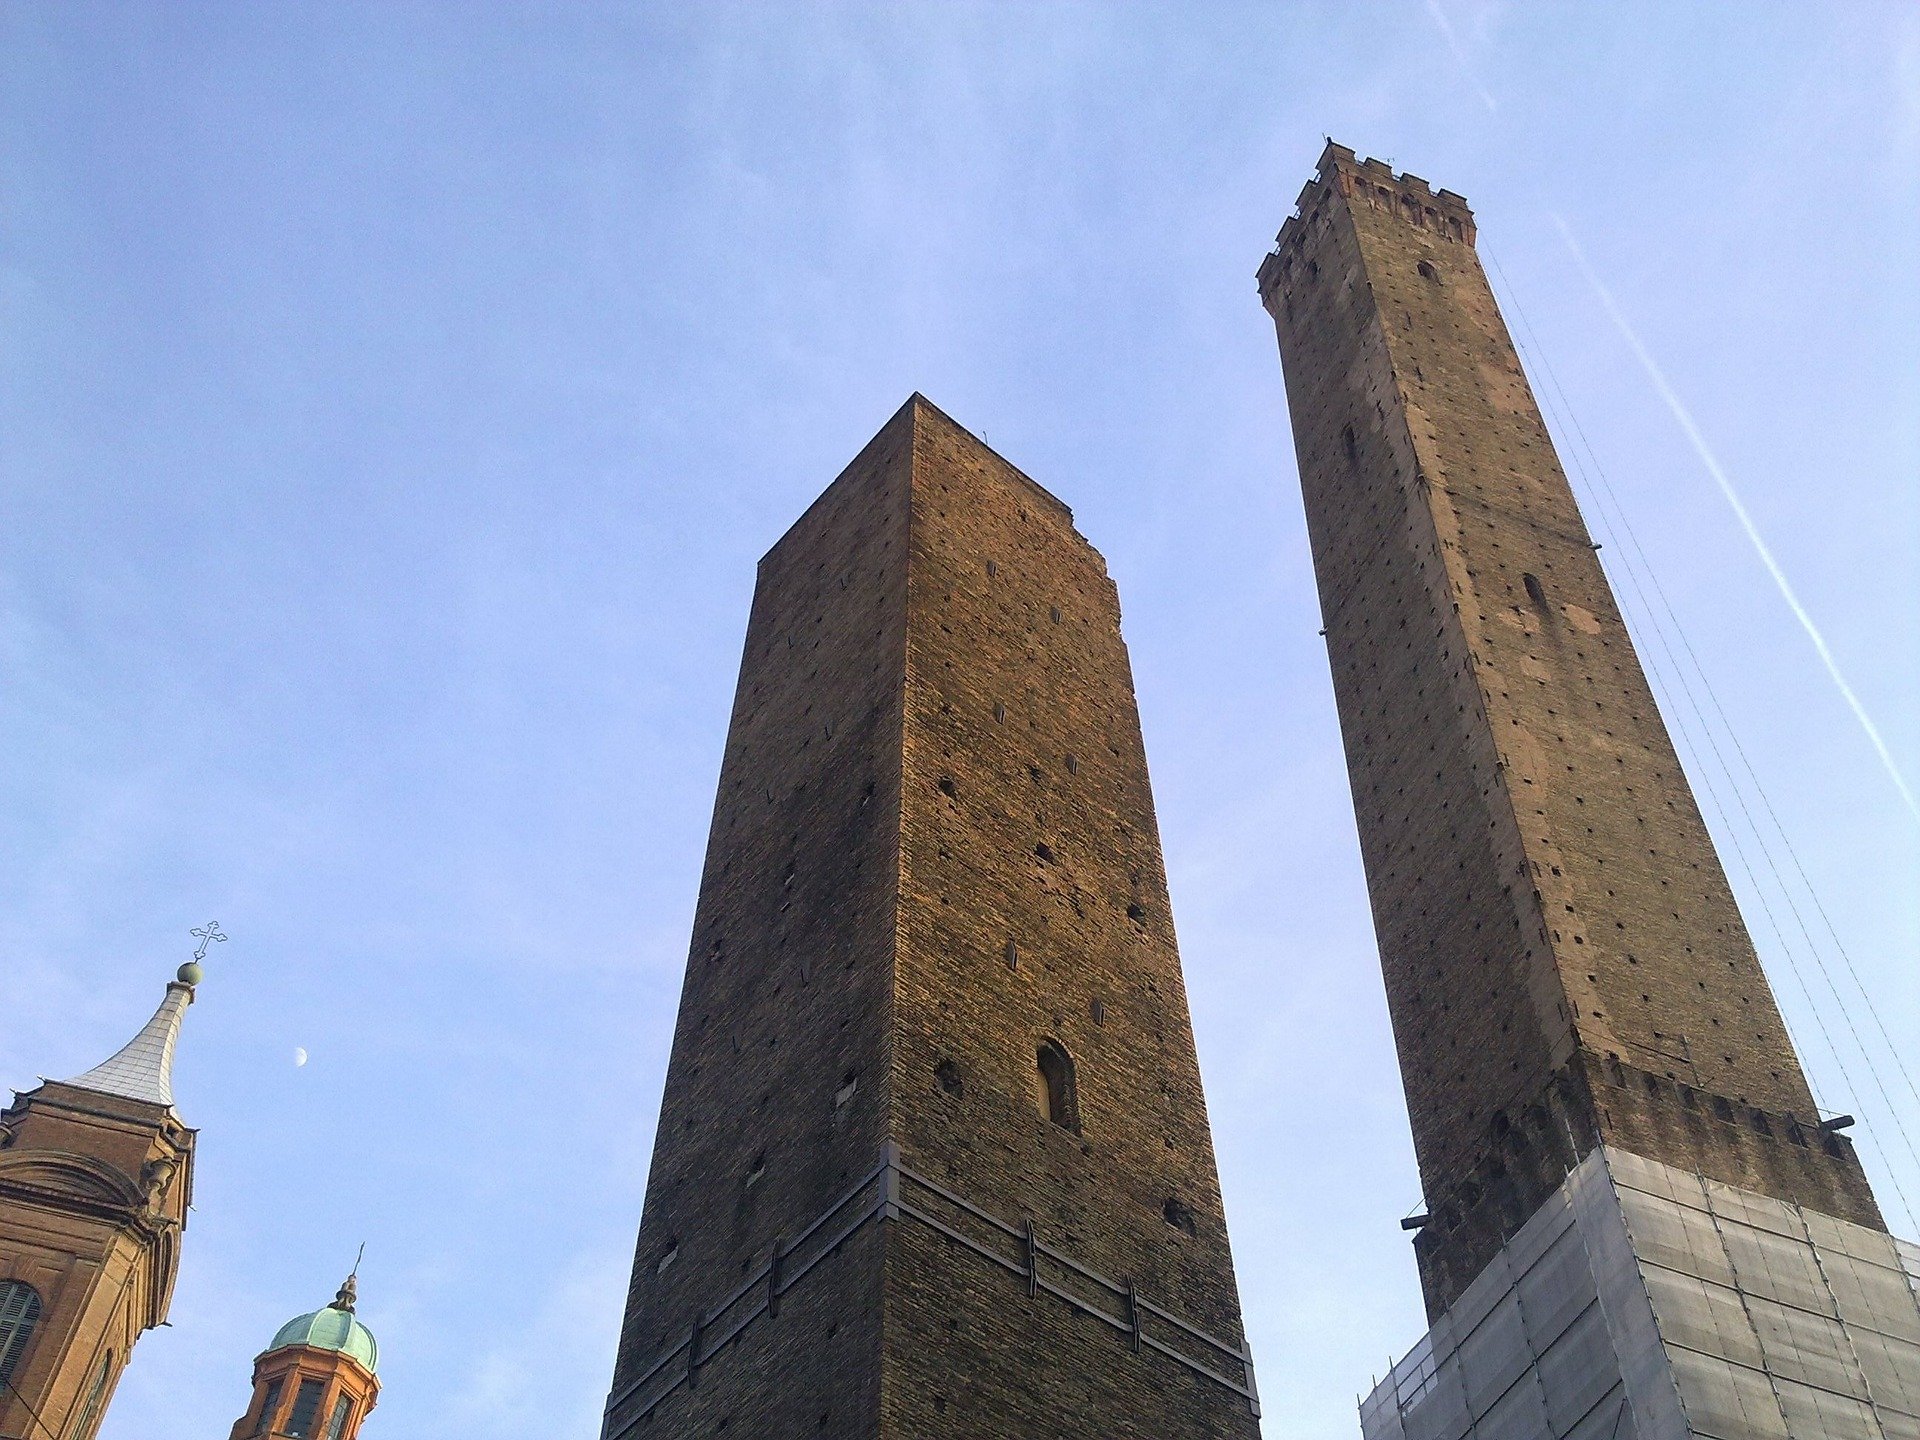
(96, 1175)
(933, 1159)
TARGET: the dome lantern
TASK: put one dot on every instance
(316, 1380)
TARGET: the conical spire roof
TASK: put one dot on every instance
(143, 1067)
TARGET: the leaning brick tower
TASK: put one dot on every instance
(1636, 1221)
(933, 1159)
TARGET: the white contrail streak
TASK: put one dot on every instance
(1460, 54)
(1707, 458)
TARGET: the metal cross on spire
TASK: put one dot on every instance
(206, 935)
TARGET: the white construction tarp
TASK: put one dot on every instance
(1644, 1303)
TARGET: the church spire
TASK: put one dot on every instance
(143, 1068)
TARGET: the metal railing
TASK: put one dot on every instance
(891, 1191)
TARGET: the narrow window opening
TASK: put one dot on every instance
(96, 1397)
(667, 1257)
(947, 1075)
(269, 1404)
(849, 1083)
(337, 1426)
(1054, 1087)
(306, 1407)
(1351, 444)
(1179, 1216)
(19, 1317)
(1427, 270)
(948, 788)
(1535, 591)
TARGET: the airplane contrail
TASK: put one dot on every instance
(1460, 54)
(1720, 478)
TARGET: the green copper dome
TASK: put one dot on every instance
(334, 1328)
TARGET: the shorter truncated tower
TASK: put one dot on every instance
(1594, 1064)
(933, 1159)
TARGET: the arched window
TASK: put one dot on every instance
(96, 1398)
(19, 1314)
(1054, 1087)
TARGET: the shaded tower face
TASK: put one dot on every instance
(96, 1174)
(316, 1380)
(933, 1158)
(1588, 1045)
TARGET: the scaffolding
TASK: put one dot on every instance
(1643, 1302)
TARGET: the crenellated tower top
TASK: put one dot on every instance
(1373, 183)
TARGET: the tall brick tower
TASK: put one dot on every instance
(932, 1158)
(1594, 1064)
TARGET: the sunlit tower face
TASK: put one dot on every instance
(933, 1159)
(1581, 1020)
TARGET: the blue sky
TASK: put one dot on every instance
(395, 398)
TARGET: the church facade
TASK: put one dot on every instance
(96, 1175)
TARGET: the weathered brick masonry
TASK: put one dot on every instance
(933, 856)
(1564, 961)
